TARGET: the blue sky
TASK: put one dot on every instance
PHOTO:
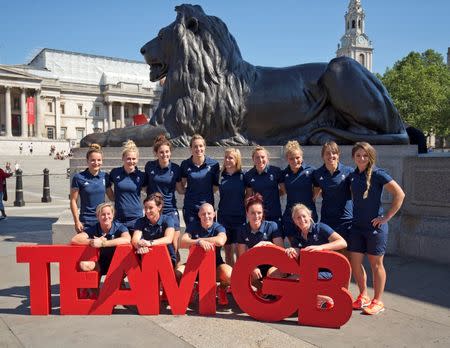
(268, 32)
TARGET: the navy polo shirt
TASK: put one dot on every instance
(200, 182)
(156, 231)
(232, 195)
(337, 206)
(299, 188)
(365, 210)
(267, 232)
(163, 180)
(91, 190)
(115, 231)
(318, 234)
(127, 192)
(196, 231)
(266, 184)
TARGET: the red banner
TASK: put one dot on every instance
(30, 110)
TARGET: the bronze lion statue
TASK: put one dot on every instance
(209, 89)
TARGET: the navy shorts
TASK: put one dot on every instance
(232, 226)
(289, 228)
(343, 229)
(176, 219)
(190, 217)
(372, 242)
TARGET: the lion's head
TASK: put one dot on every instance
(205, 77)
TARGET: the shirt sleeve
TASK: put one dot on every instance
(274, 230)
(122, 228)
(168, 222)
(139, 224)
(247, 179)
(107, 180)
(314, 176)
(183, 169)
(279, 175)
(75, 182)
(381, 176)
(177, 173)
(325, 230)
(219, 229)
(216, 174)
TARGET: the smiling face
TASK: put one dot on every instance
(230, 162)
(105, 217)
(330, 158)
(295, 160)
(206, 215)
(255, 216)
(302, 219)
(152, 211)
(163, 154)
(198, 148)
(260, 160)
(130, 160)
(95, 161)
(361, 159)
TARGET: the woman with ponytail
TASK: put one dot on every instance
(128, 182)
(369, 231)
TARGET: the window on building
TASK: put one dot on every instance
(127, 111)
(16, 103)
(359, 24)
(63, 132)
(353, 24)
(50, 132)
(97, 111)
(80, 109)
(50, 108)
(361, 59)
(348, 25)
(63, 109)
(80, 133)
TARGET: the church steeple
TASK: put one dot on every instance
(355, 43)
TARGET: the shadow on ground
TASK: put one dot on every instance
(27, 229)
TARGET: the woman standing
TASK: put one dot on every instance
(267, 181)
(332, 180)
(298, 183)
(164, 176)
(200, 178)
(154, 228)
(231, 206)
(369, 231)
(128, 182)
(3, 176)
(90, 186)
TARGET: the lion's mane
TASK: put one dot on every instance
(205, 66)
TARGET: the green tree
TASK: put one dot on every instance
(420, 87)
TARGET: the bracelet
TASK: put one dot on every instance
(197, 242)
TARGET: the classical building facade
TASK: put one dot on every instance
(66, 95)
(355, 43)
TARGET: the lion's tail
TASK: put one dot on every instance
(379, 139)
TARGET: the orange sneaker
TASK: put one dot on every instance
(222, 296)
(361, 302)
(374, 308)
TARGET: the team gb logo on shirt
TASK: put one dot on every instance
(271, 177)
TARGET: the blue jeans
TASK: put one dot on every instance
(2, 207)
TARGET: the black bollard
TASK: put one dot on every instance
(19, 202)
(46, 190)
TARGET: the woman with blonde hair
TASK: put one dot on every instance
(105, 234)
(369, 231)
(200, 179)
(128, 181)
(90, 187)
(231, 213)
(298, 182)
(266, 180)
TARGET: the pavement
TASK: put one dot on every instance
(417, 297)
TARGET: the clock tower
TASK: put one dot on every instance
(355, 43)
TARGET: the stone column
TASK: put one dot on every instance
(140, 109)
(110, 116)
(58, 117)
(122, 115)
(23, 113)
(8, 132)
(39, 119)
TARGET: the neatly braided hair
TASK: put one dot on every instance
(372, 155)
